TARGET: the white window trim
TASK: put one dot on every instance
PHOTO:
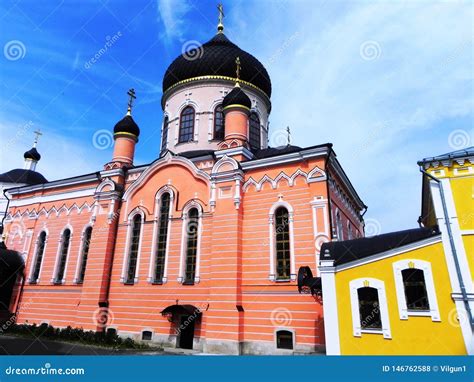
(425, 266)
(184, 237)
(272, 240)
(136, 211)
(320, 237)
(169, 190)
(35, 255)
(58, 255)
(354, 285)
(80, 254)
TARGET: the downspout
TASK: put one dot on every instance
(453, 247)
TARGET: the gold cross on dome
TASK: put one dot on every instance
(237, 70)
(220, 26)
(131, 94)
(38, 133)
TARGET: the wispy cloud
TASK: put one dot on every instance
(172, 16)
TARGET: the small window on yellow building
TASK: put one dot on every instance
(415, 289)
(369, 308)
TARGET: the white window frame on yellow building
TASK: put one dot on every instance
(356, 284)
(425, 266)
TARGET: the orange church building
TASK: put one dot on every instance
(200, 248)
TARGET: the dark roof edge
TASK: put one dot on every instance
(350, 187)
(86, 178)
(463, 153)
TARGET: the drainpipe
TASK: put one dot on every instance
(453, 247)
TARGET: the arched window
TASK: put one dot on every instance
(282, 244)
(164, 134)
(192, 229)
(162, 238)
(38, 258)
(219, 123)
(63, 252)
(284, 339)
(340, 235)
(133, 251)
(415, 289)
(369, 309)
(254, 131)
(86, 240)
(186, 125)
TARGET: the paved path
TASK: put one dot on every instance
(10, 345)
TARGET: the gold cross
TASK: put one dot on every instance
(38, 133)
(220, 26)
(237, 71)
(131, 94)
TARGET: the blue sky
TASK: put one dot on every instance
(387, 83)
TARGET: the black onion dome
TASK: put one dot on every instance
(32, 154)
(20, 175)
(237, 97)
(127, 125)
(217, 57)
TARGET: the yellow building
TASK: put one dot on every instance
(408, 292)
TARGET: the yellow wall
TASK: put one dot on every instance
(463, 190)
(417, 335)
(468, 241)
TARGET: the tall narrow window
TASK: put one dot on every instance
(254, 132)
(282, 241)
(415, 289)
(219, 123)
(192, 229)
(133, 252)
(164, 134)
(86, 240)
(63, 252)
(186, 125)
(369, 309)
(38, 257)
(162, 238)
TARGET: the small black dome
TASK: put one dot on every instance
(32, 154)
(127, 125)
(20, 175)
(237, 97)
(217, 58)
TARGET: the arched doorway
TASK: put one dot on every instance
(185, 318)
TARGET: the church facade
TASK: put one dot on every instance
(199, 249)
